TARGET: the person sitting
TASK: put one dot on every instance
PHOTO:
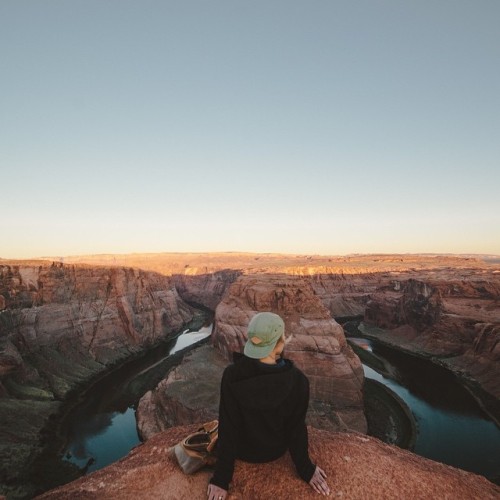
(263, 404)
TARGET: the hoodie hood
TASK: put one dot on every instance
(263, 386)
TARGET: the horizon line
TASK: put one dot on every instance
(237, 252)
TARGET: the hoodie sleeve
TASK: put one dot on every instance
(229, 423)
(297, 430)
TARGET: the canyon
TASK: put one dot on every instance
(62, 324)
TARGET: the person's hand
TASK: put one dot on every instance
(216, 493)
(318, 482)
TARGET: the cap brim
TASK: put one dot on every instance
(258, 352)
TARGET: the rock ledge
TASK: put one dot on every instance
(358, 467)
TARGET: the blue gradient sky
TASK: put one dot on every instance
(274, 126)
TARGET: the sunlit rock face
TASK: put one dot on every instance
(357, 467)
(316, 341)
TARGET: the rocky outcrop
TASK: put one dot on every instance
(316, 342)
(357, 467)
(64, 325)
(189, 394)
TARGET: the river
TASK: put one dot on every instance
(102, 428)
(451, 426)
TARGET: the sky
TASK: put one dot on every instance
(314, 126)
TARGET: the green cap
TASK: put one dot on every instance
(264, 331)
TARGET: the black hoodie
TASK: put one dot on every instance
(261, 416)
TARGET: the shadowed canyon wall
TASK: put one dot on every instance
(206, 290)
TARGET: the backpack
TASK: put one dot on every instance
(197, 450)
